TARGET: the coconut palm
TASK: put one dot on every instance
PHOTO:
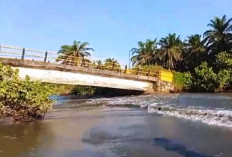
(144, 54)
(98, 63)
(75, 53)
(170, 50)
(194, 51)
(219, 37)
(111, 63)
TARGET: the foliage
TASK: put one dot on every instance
(144, 54)
(59, 89)
(23, 100)
(182, 80)
(87, 91)
(225, 80)
(170, 51)
(205, 80)
(224, 61)
(201, 63)
(111, 63)
(219, 37)
(193, 53)
(83, 90)
(74, 54)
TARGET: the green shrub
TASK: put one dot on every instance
(205, 80)
(83, 90)
(59, 89)
(225, 79)
(224, 61)
(22, 100)
(182, 80)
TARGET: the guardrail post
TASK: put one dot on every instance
(23, 54)
(46, 55)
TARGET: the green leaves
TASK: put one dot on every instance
(144, 54)
(205, 79)
(218, 37)
(23, 100)
(224, 61)
(183, 80)
(74, 53)
(111, 63)
(224, 79)
(83, 90)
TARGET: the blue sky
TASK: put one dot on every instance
(112, 27)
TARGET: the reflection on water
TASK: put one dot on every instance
(113, 127)
(21, 139)
(171, 145)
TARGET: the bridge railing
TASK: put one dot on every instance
(112, 66)
(54, 57)
(27, 54)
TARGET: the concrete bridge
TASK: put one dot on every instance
(81, 75)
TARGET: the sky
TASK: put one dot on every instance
(112, 27)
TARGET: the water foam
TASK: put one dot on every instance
(218, 117)
(168, 105)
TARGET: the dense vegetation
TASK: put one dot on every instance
(202, 63)
(87, 91)
(22, 100)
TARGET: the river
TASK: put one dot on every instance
(171, 125)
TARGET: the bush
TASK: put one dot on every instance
(182, 80)
(225, 80)
(22, 100)
(205, 80)
(224, 61)
(59, 89)
(83, 90)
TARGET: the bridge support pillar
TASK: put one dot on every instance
(163, 86)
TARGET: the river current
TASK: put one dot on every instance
(170, 125)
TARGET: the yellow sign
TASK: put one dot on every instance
(166, 76)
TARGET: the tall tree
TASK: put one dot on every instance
(144, 54)
(194, 52)
(219, 37)
(112, 64)
(75, 53)
(170, 51)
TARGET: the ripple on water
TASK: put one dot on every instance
(212, 109)
(218, 117)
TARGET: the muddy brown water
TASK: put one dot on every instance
(118, 127)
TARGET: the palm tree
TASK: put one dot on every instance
(194, 51)
(219, 37)
(99, 64)
(74, 54)
(111, 63)
(144, 54)
(170, 51)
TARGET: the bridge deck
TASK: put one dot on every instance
(79, 69)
